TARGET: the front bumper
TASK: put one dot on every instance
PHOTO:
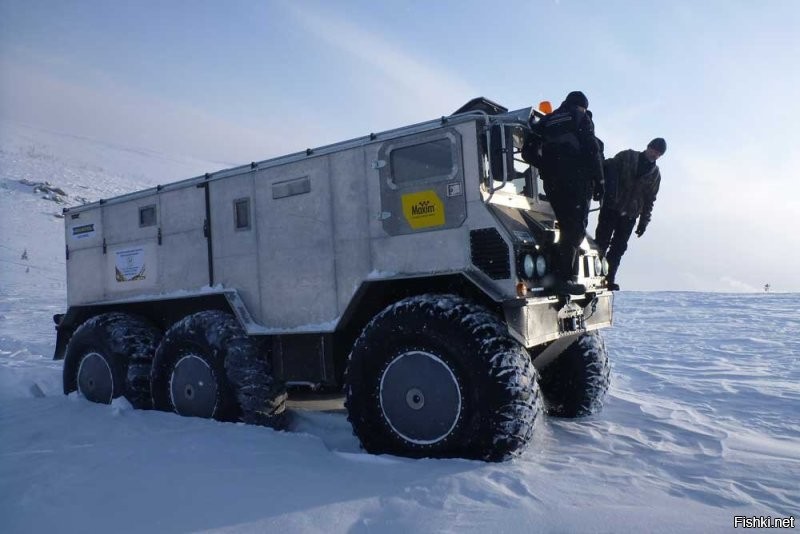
(533, 321)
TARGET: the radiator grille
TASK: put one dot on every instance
(490, 253)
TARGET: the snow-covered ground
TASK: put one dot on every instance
(702, 421)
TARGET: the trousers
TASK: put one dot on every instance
(570, 200)
(612, 234)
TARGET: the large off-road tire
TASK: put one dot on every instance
(206, 366)
(576, 382)
(438, 376)
(110, 355)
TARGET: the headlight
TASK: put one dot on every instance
(541, 266)
(598, 266)
(605, 267)
(528, 266)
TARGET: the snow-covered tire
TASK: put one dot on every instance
(110, 355)
(576, 382)
(206, 366)
(439, 376)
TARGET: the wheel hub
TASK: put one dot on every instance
(415, 399)
(420, 397)
(95, 380)
(193, 387)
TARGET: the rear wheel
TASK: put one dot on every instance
(206, 366)
(576, 382)
(438, 376)
(110, 355)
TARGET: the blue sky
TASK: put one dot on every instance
(238, 81)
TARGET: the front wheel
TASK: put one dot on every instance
(438, 376)
(576, 382)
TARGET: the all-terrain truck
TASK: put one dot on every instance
(408, 269)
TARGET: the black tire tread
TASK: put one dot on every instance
(248, 391)
(503, 367)
(575, 384)
(129, 340)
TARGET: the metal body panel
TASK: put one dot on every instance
(296, 246)
(130, 253)
(535, 321)
(480, 217)
(431, 250)
(350, 173)
(84, 268)
(235, 252)
(423, 253)
(83, 237)
(84, 230)
(430, 203)
(183, 254)
(121, 220)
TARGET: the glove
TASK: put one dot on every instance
(640, 230)
(599, 191)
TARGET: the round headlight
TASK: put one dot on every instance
(598, 266)
(528, 266)
(541, 266)
(605, 267)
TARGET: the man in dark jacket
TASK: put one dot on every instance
(633, 179)
(572, 170)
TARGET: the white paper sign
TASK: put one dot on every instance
(130, 265)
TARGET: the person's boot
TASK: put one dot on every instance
(565, 285)
(612, 275)
(569, 287)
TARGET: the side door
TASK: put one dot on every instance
(183, 257)
(130, 245)
(422, 182)
(234, 236)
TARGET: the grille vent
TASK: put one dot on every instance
(490, 253)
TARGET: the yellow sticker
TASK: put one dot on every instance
(423, 209)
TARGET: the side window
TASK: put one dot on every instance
(241, 213)
(433, 159)
(147, 216)
(522, 177)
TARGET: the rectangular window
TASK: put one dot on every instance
(419, 162)
(147, 216)
(241, 213)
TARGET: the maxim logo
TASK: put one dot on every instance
(422, 208)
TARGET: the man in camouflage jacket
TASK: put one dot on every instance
(632, 182)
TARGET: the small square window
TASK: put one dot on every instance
(241, 213)
(147, 216)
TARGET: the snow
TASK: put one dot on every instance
(701, 422)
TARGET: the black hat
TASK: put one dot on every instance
(576, 98)
(658, 144)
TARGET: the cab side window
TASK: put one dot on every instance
(433, 159)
